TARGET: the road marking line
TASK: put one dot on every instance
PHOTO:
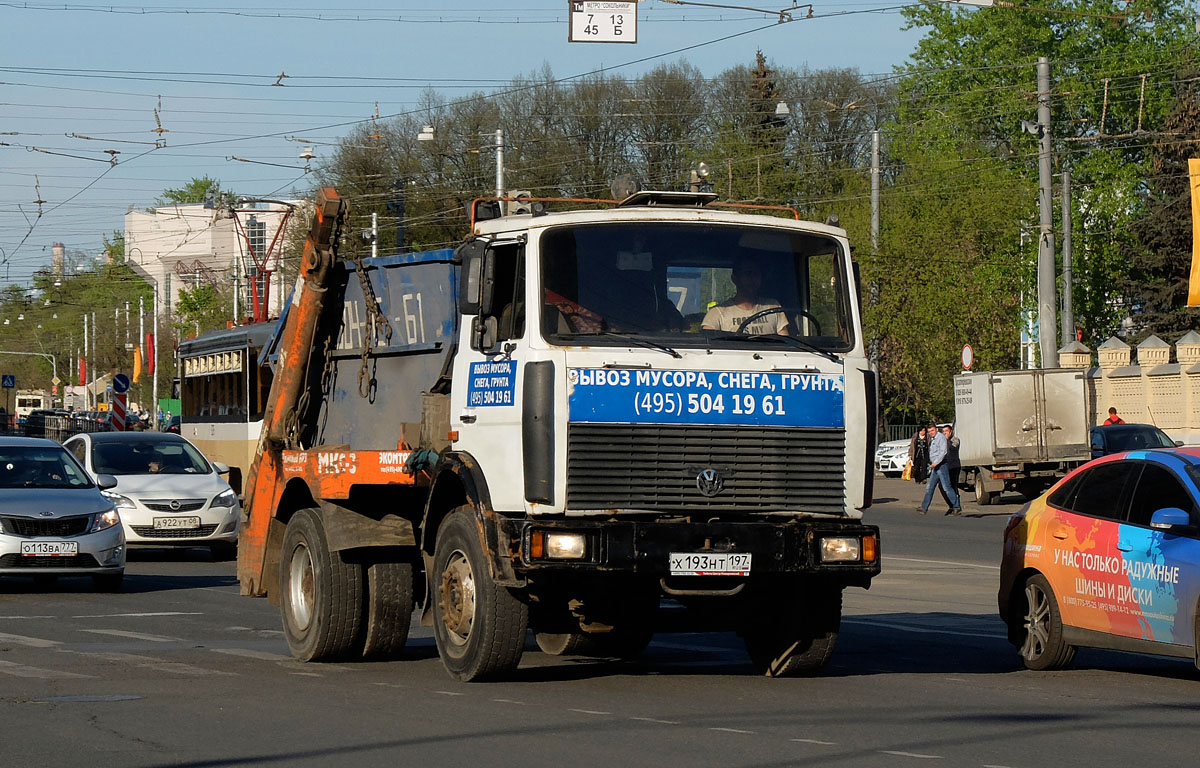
(509, 701)
(252, 654)
(943, 562)
(654, 720)
(815, 741)
(28, 617)
(917, 755)
(32, 642)
(731, 730)
(152, 662)
(589, 712)
(135, 635)
(20, 670)
(925, 630)
(306, 674)
(449, 693)
(985, 765)
(137, 615)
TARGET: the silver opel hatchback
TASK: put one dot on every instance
(53, 519)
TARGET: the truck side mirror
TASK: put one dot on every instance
(1097, 441)
(470, 291)
(484, 332)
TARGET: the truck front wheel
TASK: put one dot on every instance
(785, 639)
(321, 595)
(479, 626)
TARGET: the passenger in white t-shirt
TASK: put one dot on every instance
(729, 315)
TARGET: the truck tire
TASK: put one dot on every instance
(389, 608)
(794, 640)
(321, 595)
(983, 497)
(1042, 645)
(479, 626)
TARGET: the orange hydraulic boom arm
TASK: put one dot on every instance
(265, 482)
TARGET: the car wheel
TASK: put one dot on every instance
(108, 582)
(389, 609)
(1042, 645)
(321, 595)
(479, 625)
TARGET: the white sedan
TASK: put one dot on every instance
(167, 493)
(890, 457)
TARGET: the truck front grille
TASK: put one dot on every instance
(657, 467)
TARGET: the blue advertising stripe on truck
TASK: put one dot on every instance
(492, 383)
(601, 395)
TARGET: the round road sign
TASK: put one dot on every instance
(120, 383)
(968, 357)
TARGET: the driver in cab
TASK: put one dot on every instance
(746, 303)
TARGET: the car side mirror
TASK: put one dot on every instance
(221, 467)
(1170, 518)
(1178, 443)
(104, 482)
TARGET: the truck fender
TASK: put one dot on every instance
(458, 481)
(347, 529)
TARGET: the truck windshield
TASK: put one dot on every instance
(693, 285)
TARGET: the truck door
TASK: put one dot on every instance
(1064, 418)
(486, 401)
(1014, 399)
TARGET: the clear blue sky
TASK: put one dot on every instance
(99, 73)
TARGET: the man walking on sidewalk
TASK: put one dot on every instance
(939, 474)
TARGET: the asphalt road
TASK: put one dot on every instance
(180, 670)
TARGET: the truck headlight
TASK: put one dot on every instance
(557, 546)
(841, 549)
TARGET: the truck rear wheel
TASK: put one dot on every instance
(321, 596)
(389, 609)
(479, 625)
(790, 640)
(982, 495)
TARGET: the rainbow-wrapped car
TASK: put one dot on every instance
(1109, 557)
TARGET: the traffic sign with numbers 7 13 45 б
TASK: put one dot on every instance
(603, 21)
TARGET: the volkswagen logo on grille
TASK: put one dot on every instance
(710, 482)
(175, 505)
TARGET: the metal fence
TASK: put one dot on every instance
(901, 431)
(53, 426)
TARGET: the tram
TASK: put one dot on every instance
(223, 392)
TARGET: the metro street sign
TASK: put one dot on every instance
(8, 381)
(602, 21)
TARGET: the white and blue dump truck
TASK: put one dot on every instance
(560, 424)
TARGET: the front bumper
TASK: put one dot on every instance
(100, 552)
(644, 546)
(217, 525)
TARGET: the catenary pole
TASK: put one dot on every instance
(1045, 271)
(1068, 308)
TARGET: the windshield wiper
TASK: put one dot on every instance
(776, 338)
(640, 342)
